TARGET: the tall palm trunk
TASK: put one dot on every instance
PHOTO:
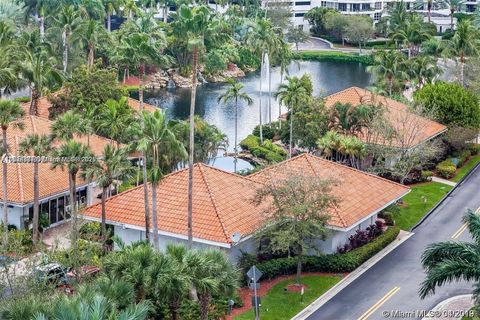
(36, 202)
(4, 186)
(109, 21)
(429, 9)
(260, 100)
(269, 95)
(90, 56)
(165, 13)
(104, 218)
(204, 305)
(174, 306)
(191, 146)
(390, 85)
(291, 134)
(144, 159)
(42, 28)
(236, 130)
(35, 95)
(452, 11)
(462, 68)
(73, 211)
(156, 244)
(65, 50)
(280, 103)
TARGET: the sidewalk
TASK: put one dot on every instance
(305, 313)
(447, 182)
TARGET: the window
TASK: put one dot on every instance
(323, 3)
(366, 7)
(377, 16)
(378, 6)
(303, 3)
(299, 14)
(61, 208)
(342, 7)
(355, 7)
(53, 211)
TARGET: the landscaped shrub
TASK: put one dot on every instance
(269, 130)
(361, 238)
(333, 56)
(250, 142)
(446, 169)
(346, 262)
(267, 151)
(464, 156)
(426, 175)
(474, 148)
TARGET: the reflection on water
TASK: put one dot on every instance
(227, 164)
(327, 78)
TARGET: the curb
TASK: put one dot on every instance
(459, 183)
(324, 40)
(324, 298)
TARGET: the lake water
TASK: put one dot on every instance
(327, 78)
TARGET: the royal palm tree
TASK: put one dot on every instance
(74, 151)
(388, 66)
(464, 43)
(453, 6)
(67, 125)
(112, 167)
(157, 137)
(38, 146)
(193, 24)
(448, 261)
(89, 35)
(111, 7)
(235, 93)
(11, 115)
(68, 21)
(38, 8)
(113, 118)
(295, 92)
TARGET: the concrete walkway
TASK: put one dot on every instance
(452, 309)
(444, 181)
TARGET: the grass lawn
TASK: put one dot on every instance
(418, 202)
(462, 172)
(278, 304)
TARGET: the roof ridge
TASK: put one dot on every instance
(204, 178)
(315, 172)
(19, 174)
(277, 164)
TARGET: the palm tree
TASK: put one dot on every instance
(284, 58)
(292, 94)
(389, 66)
(194, 24)
(112, 167)
(349, 119)
(329, 144)
(464, 43)
(413, 33)
(68, 125)
(38, 9)
(11, 115)
(90, 33)
(453, 6)
(212, 274)
(421, 70)
(234, 92)
(112, 119)
(40, 73)
(157, 137)
(111, 7)
(144, 47)
(68, 20)
(38, 146)
(130, 9)
(449, 261)
(73, 151)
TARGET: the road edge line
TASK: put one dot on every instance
(352, 276)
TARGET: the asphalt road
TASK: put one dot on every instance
(390, 287)
(313, 44)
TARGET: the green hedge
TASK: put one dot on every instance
(335, 56)
(268, 151)
(446, 169)
(335, 263)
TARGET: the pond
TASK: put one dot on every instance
(327, 78)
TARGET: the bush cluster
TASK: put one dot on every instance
(474, 148)
(267, 150)
(362, 237)
(335, 263)
(334, 56)
(446, 169)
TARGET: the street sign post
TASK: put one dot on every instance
(254, 275)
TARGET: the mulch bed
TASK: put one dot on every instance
(245, 293)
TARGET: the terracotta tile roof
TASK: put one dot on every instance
(221, 205)
(360, 193)
(20, 176)
(415, 129)
(44, 104)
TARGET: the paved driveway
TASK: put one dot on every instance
(391, 286)
(313, 44)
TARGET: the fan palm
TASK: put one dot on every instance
(112, 167)
(157, 137)
(464, 43)
(234, 92)
(292, 94)
(38, 146)
(68, 21)
(11, 115)
(67, 125)
(193, 24)
(449, 261)
(388, 66)
(112, 119)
